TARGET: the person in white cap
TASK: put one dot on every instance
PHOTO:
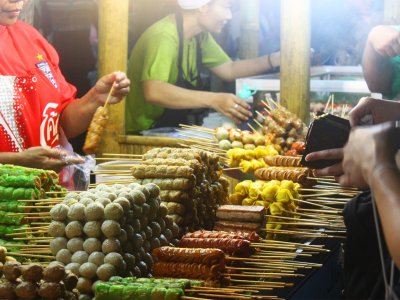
(164, 64)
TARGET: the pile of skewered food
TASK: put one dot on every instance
(238, 218)
(96, 130)
(296, 174)
(193, 263)
(285, 126)
(190, 181)
(144, 288)
(229, 138)
(110, 230)
(20, 183)
(33, 281)
(250, 160)
(278, 197)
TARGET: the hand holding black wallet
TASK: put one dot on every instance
(325, 132)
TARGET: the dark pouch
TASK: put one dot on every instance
(325, 132)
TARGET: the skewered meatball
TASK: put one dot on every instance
(88, 270)
(96, 258)
(7, 290)
(50, 290)
(92, 229)
(59, 212)
(57, 244)
(56, 229)
(91, 245)
(126, 205)
(32, 272)
(84, 285)
(73, 229)
(114, 259)
(111, 229)
(64, 256)
(113, 211)
(94, 212)
(138, 197)
(77, 212)
(153, 190)
(73, 267)
(12, 270)
(111, 245)
(26, 290)
(75, 245)
(103, 201)
(105, 271)
(80, 257)
(86, 201)
(54, 272)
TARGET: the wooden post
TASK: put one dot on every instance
(113, 56)
(392, 12)
(295, 56)
(249, 28)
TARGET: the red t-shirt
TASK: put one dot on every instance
(33, 92)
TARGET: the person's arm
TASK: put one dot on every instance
(386, 189)
(232, 70)
(382, 44)
(38, 157)
(170, 96)
(77, 116)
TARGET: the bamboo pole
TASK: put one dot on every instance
(295, 56)
(113, 56)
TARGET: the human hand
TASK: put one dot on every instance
(335, 154)
(385, 40)
(369, 148)
(379, 110)
(231, 106)
(275, 59)
(119, 81)
(45, 158)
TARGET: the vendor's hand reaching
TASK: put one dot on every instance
(104, 84)
(385, 40)
(45, 158)
(375, 110)
(231, 106)
(367, 150)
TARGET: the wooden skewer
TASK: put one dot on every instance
(304, 215)
(30, 255)
(198, 128)
(25, 233)
(225, 289)
(113, 159)
(261, 115)
(122, 154)
(41, 207)
(317, 205)
(294, 244)
(191, 298)
(317, 222)
(224, 296)
(264, 283)
(326, 211)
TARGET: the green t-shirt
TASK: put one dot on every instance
(154, 57)
(395, 93)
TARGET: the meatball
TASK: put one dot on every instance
(144, 191)
(124, 202)
(105, 271)
(114, 259)
(88, 270)
(75, 245)
(3, 254)
(50, 290)
(91, 245)
(73, 229)
(77, 212)
(84, 285)
(138, 197)
(54, 272)
(86, 201)
(153, 190)
(111, 245)
(103, 201)
(111, 229)
(12, 270)
(73, 267)
(26, 290)
(96, 258)
(57, 244)
(113, 211)
(56, 229)
(6, 290)
(80, 257)
(59, 212)
(94, 212)
(64, 256)
(92, 229)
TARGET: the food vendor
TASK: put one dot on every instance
(164, 66)
(38, 108)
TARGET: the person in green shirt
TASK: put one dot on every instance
(164, 64)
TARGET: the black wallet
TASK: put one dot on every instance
(325, 132)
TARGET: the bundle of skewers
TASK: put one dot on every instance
(190, 181)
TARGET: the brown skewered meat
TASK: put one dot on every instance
(228, 245)
(32, 272)
(192, 271)
(174, 196)
(170, 183)
(96, 130)
(282, 161)
(12, 270)
(161, 171)
(299, 175)
(26, 290)
(50, 290)
(202, 256)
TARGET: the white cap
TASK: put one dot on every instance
(192, 4)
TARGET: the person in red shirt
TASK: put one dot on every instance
(38, 108)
